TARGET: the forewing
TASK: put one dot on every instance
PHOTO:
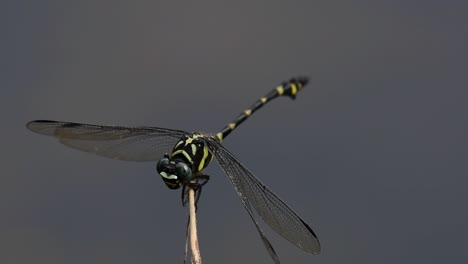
(115, 142)
(277, 214)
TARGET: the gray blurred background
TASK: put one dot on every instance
(373, 154)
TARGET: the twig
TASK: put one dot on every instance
(186, 241)
(196, 257)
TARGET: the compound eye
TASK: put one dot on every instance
(183, 171)
(162, 164)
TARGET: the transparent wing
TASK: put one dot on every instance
(271, 209)
(115, 142)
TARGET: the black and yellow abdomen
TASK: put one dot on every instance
(289, 88)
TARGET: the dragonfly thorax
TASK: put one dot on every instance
(189, 157)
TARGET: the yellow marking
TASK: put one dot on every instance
(280, 90)
(205, 155)
(293, 89)
(188, 141)
(220, 136)
(178, 144)
(187, 156)
(194, 149)
(169, 177)
(264, 99)
(232, 125)
(248, 112)
(299, 85)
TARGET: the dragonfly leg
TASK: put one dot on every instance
(184, 195)
(196, 184)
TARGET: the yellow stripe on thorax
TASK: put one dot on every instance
(178, 144)
(194, 149)
(186, 155)
(205, 155)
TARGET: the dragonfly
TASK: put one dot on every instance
(182, 156)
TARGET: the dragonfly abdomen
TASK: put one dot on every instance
(289, 88)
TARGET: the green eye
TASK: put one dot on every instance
(183, 171)
(162, 164)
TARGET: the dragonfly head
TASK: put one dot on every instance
(173, 172)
